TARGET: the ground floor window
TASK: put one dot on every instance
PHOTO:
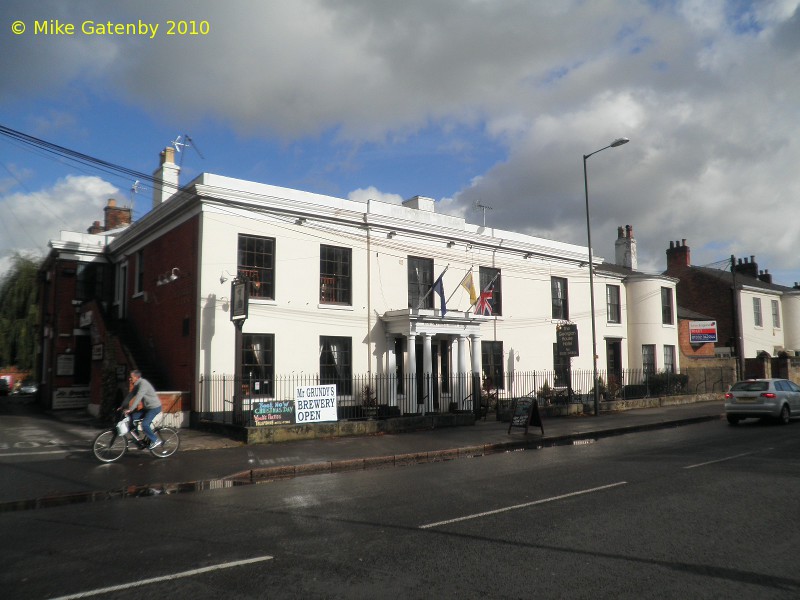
(561, 368)
(258, 364)
(649, 359)
(335, 363)
(492, 364)
(669, 359)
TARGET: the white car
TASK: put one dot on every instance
(762, 398)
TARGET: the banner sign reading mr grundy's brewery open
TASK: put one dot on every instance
(315, 403)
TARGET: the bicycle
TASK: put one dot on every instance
(111, 445)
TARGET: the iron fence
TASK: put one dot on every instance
(384, 396)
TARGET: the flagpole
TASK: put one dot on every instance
(488, 285)
(459, 285)
(430, 289)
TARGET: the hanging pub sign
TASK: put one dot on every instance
(240, 299)
(567, 339)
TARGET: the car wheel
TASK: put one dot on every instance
(785, 415)
(733, 420)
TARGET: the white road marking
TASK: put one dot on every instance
(4, 454)
(526, 505)
(142, 582)
(711, 462)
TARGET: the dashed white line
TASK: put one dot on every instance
(719, 460)
(525, 505)
(143, 582)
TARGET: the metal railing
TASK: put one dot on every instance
(386, 396)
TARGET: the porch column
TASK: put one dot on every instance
(390, 382)
(462, 369)
(476, 362)
(411, 369)
(427, 367)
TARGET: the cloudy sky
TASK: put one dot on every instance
(465, 101)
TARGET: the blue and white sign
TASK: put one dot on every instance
(701, 332)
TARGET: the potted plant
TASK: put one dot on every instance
(369, 402)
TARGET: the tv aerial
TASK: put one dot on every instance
(135, 188)
(185, 141)
(484, 207)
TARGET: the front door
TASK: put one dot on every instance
(422, 378)
(614, 363)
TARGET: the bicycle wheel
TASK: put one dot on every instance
(108, 446)
(170, 445)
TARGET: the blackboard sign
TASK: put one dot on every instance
(567, 339)
(273, 412)
(525, 412)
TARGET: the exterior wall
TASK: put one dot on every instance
(164, 313)
(764, 338)
(644, 306)
(379, 287)
(297, 319)
(689, 350)
(66, 345)
(791, 320)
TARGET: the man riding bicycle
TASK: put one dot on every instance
(144, 392)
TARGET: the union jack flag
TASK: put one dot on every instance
(484, 304)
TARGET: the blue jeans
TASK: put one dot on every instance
(147, 415)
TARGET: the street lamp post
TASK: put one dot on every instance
(614, 144)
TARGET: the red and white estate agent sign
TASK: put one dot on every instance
(315, 403)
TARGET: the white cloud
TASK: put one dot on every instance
(705, 90)
(31, 219)
(372, 193)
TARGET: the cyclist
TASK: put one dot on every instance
(144, 392)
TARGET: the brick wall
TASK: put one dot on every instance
(165, 315)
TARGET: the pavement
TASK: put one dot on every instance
(207, 460)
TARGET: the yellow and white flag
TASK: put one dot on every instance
(469, 285)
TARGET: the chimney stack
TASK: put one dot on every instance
(679, 257)
(747, 267)
(625, 248)
(116, 216)
(166, 177)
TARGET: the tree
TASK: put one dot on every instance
(19, 312)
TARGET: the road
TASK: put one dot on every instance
(703, 511)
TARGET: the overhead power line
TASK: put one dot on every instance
(79, 157)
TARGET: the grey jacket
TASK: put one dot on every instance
(145, 393)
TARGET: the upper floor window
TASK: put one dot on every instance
(335, 269)
(776, 314)
(256, 262)
(491, 281)
(758, 321)
(613, 309)
(420, 281)
(89, 280)
(667, 310)
(335, 363)
(560, 299)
